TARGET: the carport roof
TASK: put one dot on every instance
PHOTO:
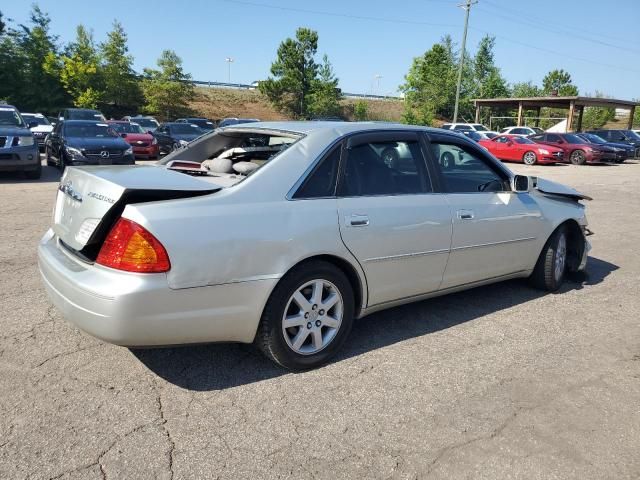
(554, 102)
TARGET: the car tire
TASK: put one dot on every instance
(47, 156)
(62, 164)
(578, 157)
(551, 269)
(530, 158)
(447, 160)
(314, 335)
(34, 174)
(390, 157)
(175, 146)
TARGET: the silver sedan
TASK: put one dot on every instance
(283, 233)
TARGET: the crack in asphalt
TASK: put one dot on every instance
(163, 423)
(64, 354)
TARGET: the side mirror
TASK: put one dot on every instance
(123, 135)
(520, 184)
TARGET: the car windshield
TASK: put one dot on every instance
(35, 119)
(96, 130)
(480, 128)
(593, 138)
(632, 135)
(185, 128)
(11, 117)
(522, 140)
(574, 139)
(85, 115)
(127, 127)
(145, 122)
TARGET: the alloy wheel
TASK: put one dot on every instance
(561, 258)
(312, 317)
(529, 158)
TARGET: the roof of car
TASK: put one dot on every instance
(86, 122)
(339, 127)
(118, 121)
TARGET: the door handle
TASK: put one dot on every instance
(465, 214)
(358, 220)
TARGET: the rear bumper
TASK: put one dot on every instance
(19, 158)
(141, 310)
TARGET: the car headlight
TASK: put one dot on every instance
(129, 151)
(154, 141)
(74, 152)
(543, 151)
(183, 143)
(26, 141)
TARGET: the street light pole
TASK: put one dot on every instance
(229, 61)
(377, 77)
(467, 9)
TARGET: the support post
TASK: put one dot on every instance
(580, 113)
(477, 113)
(519, 124)
(572, 111)
(537, 122)
(632, 112)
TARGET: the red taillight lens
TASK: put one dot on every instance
(131, 248)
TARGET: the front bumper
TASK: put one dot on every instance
(19, 158)
(83, 161)
(132, 309)
(146, 152)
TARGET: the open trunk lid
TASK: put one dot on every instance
(91, 199)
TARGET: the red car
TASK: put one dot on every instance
(576, 150)
(144, 144)
(520, 149)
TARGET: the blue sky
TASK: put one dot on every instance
(598, 42)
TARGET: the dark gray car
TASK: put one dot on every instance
(18, 148)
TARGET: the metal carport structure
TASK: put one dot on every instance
(573, 104)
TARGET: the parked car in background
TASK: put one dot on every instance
(148, 123)
(86, 142)
(80, 114)
(515, 148)
(172, 136)
(201, 263)
(203, 123)
(526, 131)
(461, 127)
(576, 150)
(615, 152)
(225, 122)
(620, 136)
(144, 144)
(18, 147)
(41, 130)
(477, 136)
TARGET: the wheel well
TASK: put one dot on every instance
(575, 244)
(345, 267)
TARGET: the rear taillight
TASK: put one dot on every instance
(132, 248)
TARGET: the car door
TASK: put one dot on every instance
(390, 218)
(501, 149)
(55, 142)
(494, 229)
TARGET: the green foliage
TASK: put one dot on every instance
(596, 117)
(525, 89)
(421, 115)
(121, 86)
(325, 95)
(361, 111)
(168, 90)
(490, 83)
(558, 81)
(299, 86)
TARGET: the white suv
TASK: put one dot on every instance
(524, 131)
(461, 127)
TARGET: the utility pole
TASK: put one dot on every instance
(229, 61)
(467, 9)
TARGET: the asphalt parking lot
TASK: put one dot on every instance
(497, 382)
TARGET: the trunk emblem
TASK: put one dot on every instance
(67, 189)
(104, 154)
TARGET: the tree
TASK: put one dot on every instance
(489, 81)
(596, 117)
(121, 87)
(559, 82)
(11, 63)
(168, 90)
(430, 85)
(525, 89)
(361, 111)
(41, 90)
(324, 99)
(79, 70)
(295, 72)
